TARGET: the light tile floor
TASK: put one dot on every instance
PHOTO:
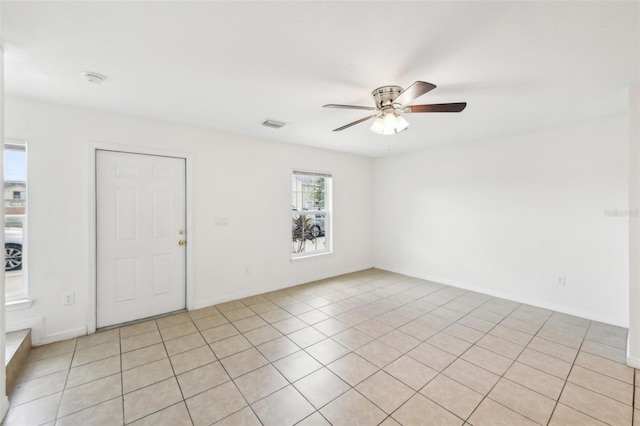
(367, 348)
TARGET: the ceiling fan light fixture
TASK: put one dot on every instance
(377, 126)
(389, 123)
(391, 101)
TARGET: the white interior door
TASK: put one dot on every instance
(140, 207)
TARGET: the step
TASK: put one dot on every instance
(17, 347)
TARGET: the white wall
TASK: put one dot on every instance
(505, 216)
(246, 180)
(509, 216)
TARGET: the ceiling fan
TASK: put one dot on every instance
(391, 102)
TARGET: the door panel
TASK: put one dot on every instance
(140, 212)
(126, 202)
(126, 279)
(161, 274)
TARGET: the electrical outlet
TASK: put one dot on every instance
(68, 298)
(246, 270)
(562, 280)
(221, 221)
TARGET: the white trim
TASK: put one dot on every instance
(18, 304)
(4, 402)
(24, 294)
(35, 324)
(63, 335)
(91, 160)
(38, 331)
(513, 297)
(309, 256)
(633, 361)
(327, 211)
(307, 173)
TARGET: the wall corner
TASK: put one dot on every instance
(633, 342)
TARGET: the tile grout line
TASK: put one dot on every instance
(175, 376)
(439, 372)
(634, 396)
(567, 379)
(64, 388)
(340, 291)
(270, 363)
(425, 341)
(231, 379)
(507, 369)
(121, 374)
(387, 415)
(596, 392)
(326, 366)
(122, 371)
(301, 349)
(68, 369)
(406, 354)
(315, 410)
(485, 334)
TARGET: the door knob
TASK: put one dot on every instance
(182, 242)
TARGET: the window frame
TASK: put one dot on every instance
(18, 299)
(327, 211)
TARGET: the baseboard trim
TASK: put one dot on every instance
(632, 361)
(512, 296)
(235, 296)
(35, 324)
(39, 336)
(260, 290)
(63, 335)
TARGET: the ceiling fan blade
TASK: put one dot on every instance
(414, 91)
(452, 107)
(349, 107)
(346, 126)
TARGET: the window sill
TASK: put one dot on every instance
(18, 304)
(310, 256)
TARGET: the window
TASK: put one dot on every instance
(15, 213)
(311, 213)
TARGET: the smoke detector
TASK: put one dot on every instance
(93, 78)
(274, 124)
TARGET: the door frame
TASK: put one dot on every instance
(93, 148)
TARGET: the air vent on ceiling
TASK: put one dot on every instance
(274, 124)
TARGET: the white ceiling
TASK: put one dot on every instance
(230, 65)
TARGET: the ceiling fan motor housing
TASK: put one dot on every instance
(389, 107)
(385, 95)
